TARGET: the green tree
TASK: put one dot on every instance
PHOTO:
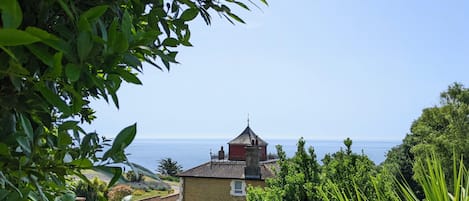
(442, 129)
(346, 169)
(297, 178)
(58, 55)
(168, 166)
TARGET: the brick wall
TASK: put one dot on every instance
(208, 189)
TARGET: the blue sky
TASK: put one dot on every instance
(321, 69)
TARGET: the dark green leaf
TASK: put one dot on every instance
(53, 99)
(73, 71)
(13, 37)
(235, 17)
(82, 163)
(129, 77)
(121, 44)
(24, 144)
(84, 44)
(41, 53)
(64, 139)
(11, 14)
(241, 4)
(94, 13)
(66, 9)
(27, 128)
(4, 149)
(171, 42)
(126, 25)
(189, 14)
(49, 39)
(68, 125)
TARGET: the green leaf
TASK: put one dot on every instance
(64, 139)
(94, 13)
(49, 39)
(125, 137)
(84, 44)
(66, 9)
(171, 42)
(189, 14)
(235, 17)
(41, 53)
(69, 196)
(26, 125)
(24, 144)
(82, 163)
(129, 77)
(13, 37)
(68, 125)
(126, 25)
(73, 71)
(115, 172)
(4, 149)
(53, 99)
(11, 14)
(121, 44)
(241, 4)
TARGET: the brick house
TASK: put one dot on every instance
(227, 179)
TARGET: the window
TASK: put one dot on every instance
(238, 188)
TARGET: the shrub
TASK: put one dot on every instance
(132, 177)
(118, 192)
(94, 190)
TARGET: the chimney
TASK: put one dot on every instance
(221, 154)
(252, 169)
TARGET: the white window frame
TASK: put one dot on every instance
(243, 188)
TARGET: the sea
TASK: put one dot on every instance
(190, 153)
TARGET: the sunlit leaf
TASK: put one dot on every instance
(13, 37)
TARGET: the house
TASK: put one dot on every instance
(227, 178)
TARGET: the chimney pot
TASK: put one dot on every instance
(221, 154)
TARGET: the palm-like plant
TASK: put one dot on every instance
(430, 176)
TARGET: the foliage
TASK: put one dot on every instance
(96, 190)
(118, 192)
(297, 178)
(58, 55)
(169, 178)
(443, 129)
(168, 166)
(431, 177)
(345, 168)
(132, 177)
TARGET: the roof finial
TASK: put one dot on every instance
(248, 119)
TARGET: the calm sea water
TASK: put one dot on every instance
(192, 152)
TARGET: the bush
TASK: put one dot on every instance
(118, 192)
(94, 190)
(132, 177)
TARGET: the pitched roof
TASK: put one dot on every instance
(228, 169)
(246, 137)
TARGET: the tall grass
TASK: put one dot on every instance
(430, 176)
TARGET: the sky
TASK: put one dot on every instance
(318, 69)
